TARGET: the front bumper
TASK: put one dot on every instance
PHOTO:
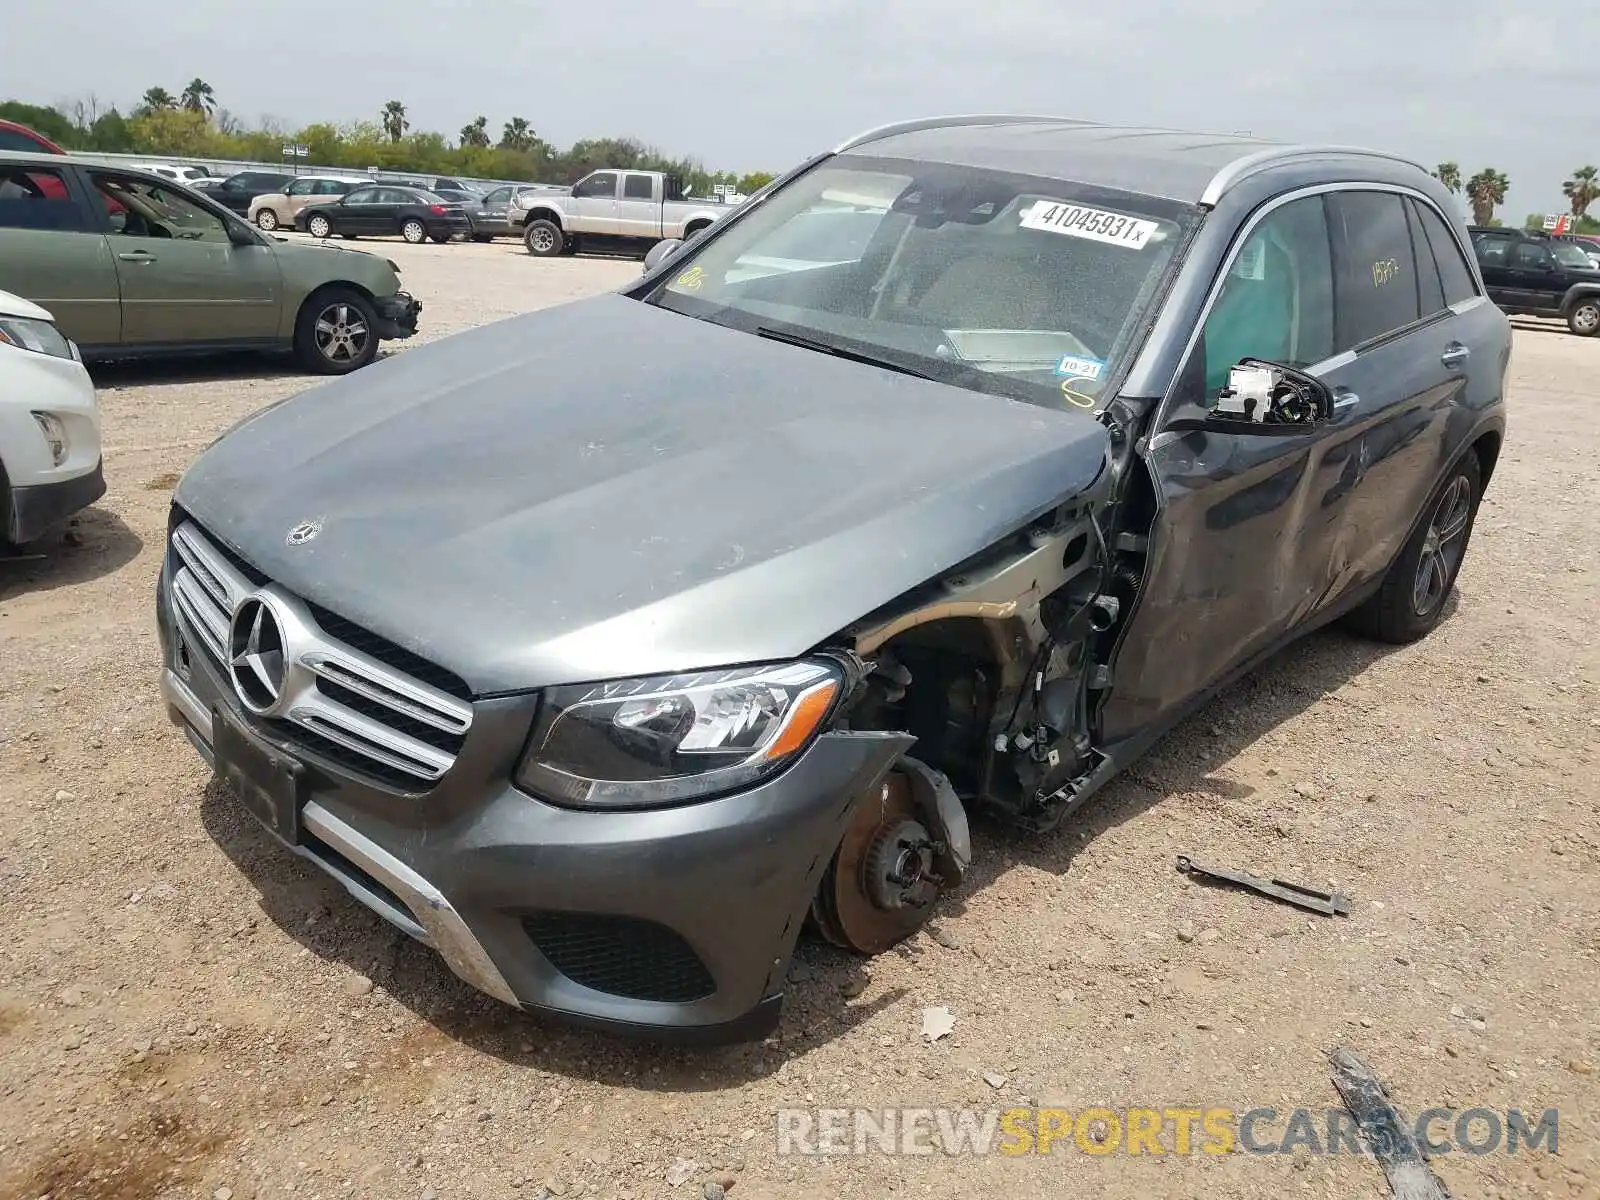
(35, 509)
(397, 316)
(576, 915)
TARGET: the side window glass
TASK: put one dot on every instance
(362, 196)
(1375, 271)
(1429, 290)
(637, 187)
(300, 187)
(1454, 274)
(1276, 301)
(141, 209)
(1531, 255)
(31, 198)
(602, 185)
(498, 196)
(1492, 251)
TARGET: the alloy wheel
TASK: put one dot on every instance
(1586, 318)
(267, 220)
(542, 240)
(1442, 547)
(341, 333)
(319, 227)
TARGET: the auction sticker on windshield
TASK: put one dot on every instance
(1115, 229)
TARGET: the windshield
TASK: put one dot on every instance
(1029, 287)
(1570, 255)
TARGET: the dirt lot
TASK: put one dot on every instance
(185, 1011)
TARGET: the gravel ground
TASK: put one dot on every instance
(185, 1011)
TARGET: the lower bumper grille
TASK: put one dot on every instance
(337, 699)
(623, 956)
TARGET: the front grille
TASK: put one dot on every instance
(347, 695)
(622, 956)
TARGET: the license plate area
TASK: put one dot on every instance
(269, 783)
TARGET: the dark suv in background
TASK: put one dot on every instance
(1537, 275)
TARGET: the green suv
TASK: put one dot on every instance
(133, 266)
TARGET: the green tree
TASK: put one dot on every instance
(1485, 192)
(1449, 174)
(157, 99)
(517, 134)
(198, 97)
(475, 132)
(754, 181)
(110, 133)
(176, 131)
(47, 121)
(1582, 190)
(394, 120)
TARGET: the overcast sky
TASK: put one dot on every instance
(747, 84)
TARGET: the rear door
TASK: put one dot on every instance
(1534, 275)
(1406, 355)
(54, 252)
(595, 204)
(639, 211)
(183, 281)
(1494, 261)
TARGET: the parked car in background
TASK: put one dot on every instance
(384, 210)
(133, 265)
(1588, 244)
(273, 209)
(601, 648)
(1533, 274)
(183, 174)
(19, 137)
(493, 216)
(237, 191)
(49, 425)
(612, 209)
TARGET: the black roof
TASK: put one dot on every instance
(1190, 167)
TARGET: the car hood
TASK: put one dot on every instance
(609, 489)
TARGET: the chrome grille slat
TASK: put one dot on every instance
(207, 589)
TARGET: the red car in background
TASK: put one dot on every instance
(20, 137)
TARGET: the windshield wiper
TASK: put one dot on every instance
(838, 351)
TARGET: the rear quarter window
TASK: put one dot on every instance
(1454, 274)
(33, 198)
(1375, 269)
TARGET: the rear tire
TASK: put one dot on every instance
(336, 332)
(319, 226)
(266, 220)
(414, 231)
(1411, 600)
(1583, 318)
(441, 238)
(483, 237)
(543, 239)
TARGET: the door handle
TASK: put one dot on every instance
(137, 256)
(1455, 355)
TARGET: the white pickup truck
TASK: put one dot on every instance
(611, 209)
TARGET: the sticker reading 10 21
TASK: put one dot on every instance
(1115, 229)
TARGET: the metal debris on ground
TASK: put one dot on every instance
(1385, 1130)
(1328, 903)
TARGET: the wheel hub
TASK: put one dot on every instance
(880, 887)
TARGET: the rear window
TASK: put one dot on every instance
(1375, 272)
(32, 198)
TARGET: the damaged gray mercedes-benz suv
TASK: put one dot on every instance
(601, 649)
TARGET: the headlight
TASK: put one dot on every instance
(26, 334)
(55, 433)
(644, 742)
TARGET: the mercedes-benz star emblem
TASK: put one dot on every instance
(255, 654)
(303, 532)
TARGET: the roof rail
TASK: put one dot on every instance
(1242, 168)
(883, 131)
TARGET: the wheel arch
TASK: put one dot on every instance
(1487, 447)
(1578, 292)
(544, 213)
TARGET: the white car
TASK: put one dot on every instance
(49, 425)
(182, 174)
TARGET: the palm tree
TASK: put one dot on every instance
(475, 133)
(199, 97)
(1485, 191)
(394, 120)
(1583, 189)
(157, 99)
(517, 134)
(1449, 174)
